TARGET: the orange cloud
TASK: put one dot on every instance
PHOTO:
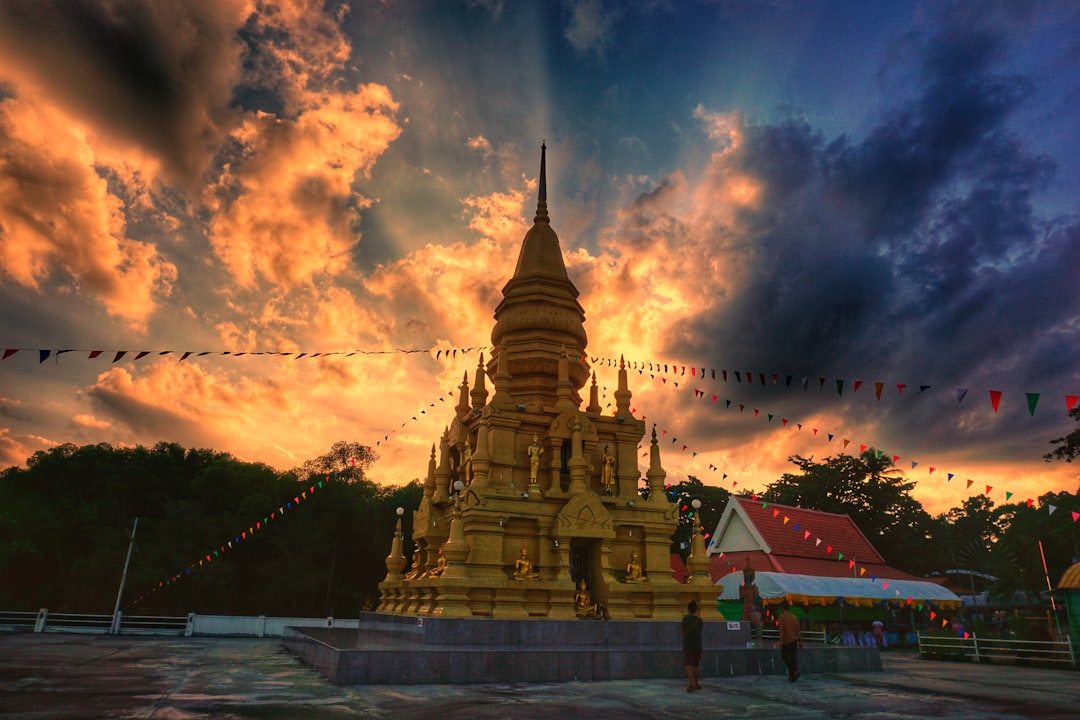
(58, 218)
(284, 207)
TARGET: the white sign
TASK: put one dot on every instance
(734, 625)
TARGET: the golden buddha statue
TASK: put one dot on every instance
(440, 566)
(634, 573)
(466, 463)
(414, 565)
(583, 603)
(535, 451)
(607, 471)
(523, 567)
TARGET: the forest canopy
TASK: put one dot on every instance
(66, 520)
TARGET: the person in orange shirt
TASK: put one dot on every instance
(790, 639)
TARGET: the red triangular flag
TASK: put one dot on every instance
(1070, 400)
(995, 399)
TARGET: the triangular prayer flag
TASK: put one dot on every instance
(1075, 515)
(970, 482)
(840, 387)
(828, 549)
(839, 556)
(949, 479)
(9, 352)
(806, 535)
(995, 399)
(43, 355)
(895, 458)
(1008, 494)
(960, 394)
(989, 488)
(1052, 508)
(1033, 400)
(913, 464)
(862, 449)
(900, 388)
(878, 387)
(817, 542)
(1070, 401)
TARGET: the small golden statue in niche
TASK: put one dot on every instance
(583, 602)
(440, 565)
(535, 451)
(466, 463)
(607, 471)
(523, 567)
(414, 566)
(634, 573)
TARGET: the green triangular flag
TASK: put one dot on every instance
(1033, 400)
(840, 387)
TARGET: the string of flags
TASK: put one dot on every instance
(664, 433)
(241, 536)
(653, 368)
(44, 354)
(750, 378)
(260, 525)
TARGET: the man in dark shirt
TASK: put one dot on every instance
(692, 626)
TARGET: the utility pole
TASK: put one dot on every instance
(123, 578)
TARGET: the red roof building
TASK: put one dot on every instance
(785, 539)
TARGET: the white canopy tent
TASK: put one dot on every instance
(774, 588)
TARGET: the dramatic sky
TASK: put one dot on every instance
(857, 192)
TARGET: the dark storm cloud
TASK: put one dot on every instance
(913, 255)
(157, 75)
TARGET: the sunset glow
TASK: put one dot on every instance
(803, 193)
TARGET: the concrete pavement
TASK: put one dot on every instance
(54, 676)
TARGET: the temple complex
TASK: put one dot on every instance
(531, 506)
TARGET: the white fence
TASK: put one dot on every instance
(192, 624)
(992, 649)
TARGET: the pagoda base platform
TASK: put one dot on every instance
(403, 650)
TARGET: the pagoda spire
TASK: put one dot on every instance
(541, 196)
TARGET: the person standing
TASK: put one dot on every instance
(790, 639)
(692, 625)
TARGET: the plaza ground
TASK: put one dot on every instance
(54, 676)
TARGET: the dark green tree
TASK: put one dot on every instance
(870, 489)
(1069, 445)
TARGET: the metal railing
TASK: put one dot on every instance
(45, 621)
(993, 649)
(809, 637)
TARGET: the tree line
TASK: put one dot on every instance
(66, 519)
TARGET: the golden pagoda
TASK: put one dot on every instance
(531, 506)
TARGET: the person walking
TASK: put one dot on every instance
(790, 639)
(692, 625)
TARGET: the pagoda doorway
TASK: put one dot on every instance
(585, 564)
